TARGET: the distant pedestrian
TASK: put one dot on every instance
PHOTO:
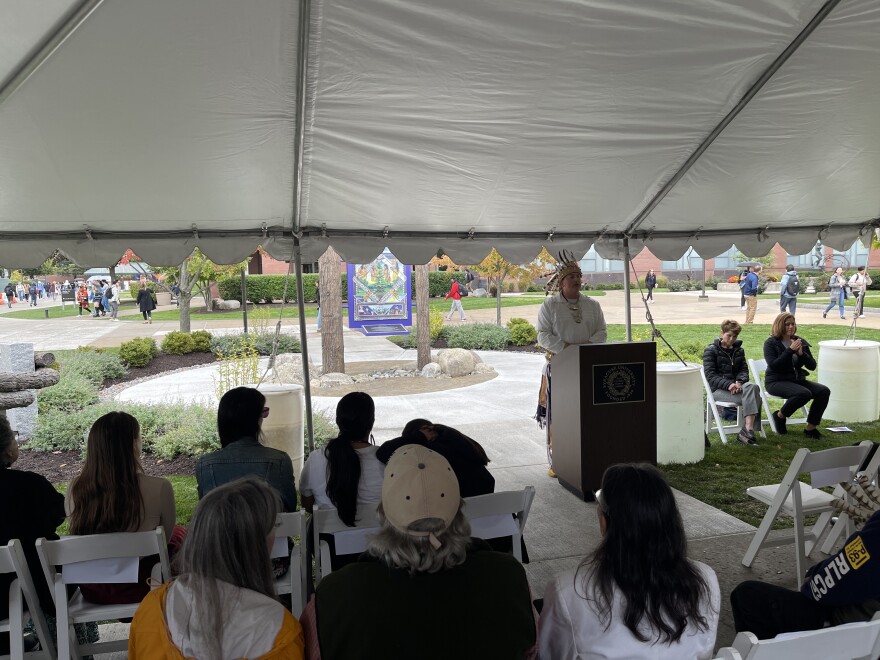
(650, 283)
(789, 289)
(742, 282)
(837, 292)
(22, 294)
(455, 294)
(10, 294)
(55, 288)
(41, 290)
(750, 293)
(82, 299)
(146, 303)
(113, 299)
(32, 292)
(859, 283)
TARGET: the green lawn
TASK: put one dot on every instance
(69, 310)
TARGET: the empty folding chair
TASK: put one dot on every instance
(796, 499)
(95, 559)
(757, 369)
(500, 514)
(348, 540)
(295, 581)
(856, 641)
(12, 561)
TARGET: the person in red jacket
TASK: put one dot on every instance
(455, 294)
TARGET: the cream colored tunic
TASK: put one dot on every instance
(557, 327)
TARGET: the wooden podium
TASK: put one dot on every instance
(603, 411)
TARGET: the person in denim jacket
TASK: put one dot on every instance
(239, 420)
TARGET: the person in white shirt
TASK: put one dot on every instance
(566, 318)
(345, 473)
(859, 284)
(637, 595)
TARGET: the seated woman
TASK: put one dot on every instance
(223, 604)
(346, 472)
(112, 494)
(240, 418)
(40, 518)
(466, 456)
(724, 363)
(637, 595)
(788, 359)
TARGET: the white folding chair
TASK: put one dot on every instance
(843, 521)
(325, 521)
(99, 556)
(757, 369)
(501, 514)
(712, 406)
(12, 561)
(793, 498)
(295, 581)
(856, 641)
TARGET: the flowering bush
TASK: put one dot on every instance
(733, 279)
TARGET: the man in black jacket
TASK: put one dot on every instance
(724, 363)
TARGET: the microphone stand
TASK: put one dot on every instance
(655, 332)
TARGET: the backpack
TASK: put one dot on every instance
(793, 287)
(742, 281)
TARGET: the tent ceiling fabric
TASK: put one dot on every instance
(459, 125)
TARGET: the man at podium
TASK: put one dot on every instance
(566, 318)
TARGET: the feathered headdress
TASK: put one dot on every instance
(865, 496)
(566, 264)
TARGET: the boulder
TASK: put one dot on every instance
(335, 378)
(483, 368)
(456, 362)
(289, 369)
(477, 358)
(431, 370)
(225, 305)
(480, 293)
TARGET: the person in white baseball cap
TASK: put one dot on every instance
(424, 573)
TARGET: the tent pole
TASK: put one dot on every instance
(302, 67)
(768, 73)
(626, 290)
(44, 50)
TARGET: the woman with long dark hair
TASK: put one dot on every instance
(112, 494)
(346, 472)
(637, 595)
(240, 418)
(223, 604)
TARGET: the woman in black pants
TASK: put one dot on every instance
(788, 359)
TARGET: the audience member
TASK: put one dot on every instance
(112, 494)
(40, 518)
(637, 595)
(441, 593)
(788, 357)
(843, 588)
(223, 603)
(466, 456)
(346, 472)
(240, 418)
(724, 363)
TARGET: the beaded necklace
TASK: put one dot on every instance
(576, 312)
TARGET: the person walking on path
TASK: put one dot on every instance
(10, 294)
(858, 283)
(750, 292)
(112, 297)
(742, 282)
(32, 291)
(20, 292)
(789, 289)
(837, 292)
(650, 283)
(146, 304)
(82, 298)
(455, 294)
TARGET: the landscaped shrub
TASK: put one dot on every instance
(522, 332)
(138, 352)
(92, 364)
(72, 393)
(201, 341)
(286, 344)
(57, 429)
(607, 286)
(533, 288)
(485, 336)
(691, 351)
(136, 286)
(680, 285)
(269, 288)
(323, 430)
(733, 279)
(435, 320)
(177, 343)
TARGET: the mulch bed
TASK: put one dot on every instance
(64, 465)
(162, 363)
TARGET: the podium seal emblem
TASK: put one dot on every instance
(619, 383)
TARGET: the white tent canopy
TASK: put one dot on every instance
(164, 125)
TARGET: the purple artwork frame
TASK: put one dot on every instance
(379, 292)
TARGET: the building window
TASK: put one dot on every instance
(689, 261)
(593, 263)
(727, 260)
